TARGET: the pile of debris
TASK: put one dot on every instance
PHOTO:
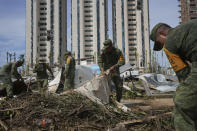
(73, 111)
(69, 111)
(89, 106)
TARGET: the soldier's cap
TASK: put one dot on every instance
(153, 36)
(67, 53)
(107, 43)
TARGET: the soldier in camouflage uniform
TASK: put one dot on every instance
(180, 46)
(8, 75)
(69, 71)
(42, 77)
(112, 58)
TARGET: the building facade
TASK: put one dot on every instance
(188, 10)
(130, 19)
(89, 27)
(46, 28)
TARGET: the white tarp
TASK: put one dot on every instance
(97, 90)
(53, 85)
(83, 74)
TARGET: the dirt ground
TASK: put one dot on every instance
(149, 104)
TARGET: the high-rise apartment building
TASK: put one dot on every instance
(89, 27)
(188, 10)
(46, 29)
(130, 19)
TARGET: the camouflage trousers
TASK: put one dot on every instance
(118, 84)
(8, 85)
(185, 113)
(69, 83)
(42, 87)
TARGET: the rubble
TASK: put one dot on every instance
(157, 82)
(89, 106)
(58, 112)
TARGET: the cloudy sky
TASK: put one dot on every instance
(12, 22)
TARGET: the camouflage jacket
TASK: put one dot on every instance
(181, 46)
(108, 59)
(41, 70)
(10, 71)
(69, 71)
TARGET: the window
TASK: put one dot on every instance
(43, 23)
(131, 4)
(131, 19)
(132, 34)
(88, 25)
(88, 30)
(132, 49)
(88, 50)
(131, 59)
(88, 6)
(132, 39)
(88, 55)
(132, 14)
(88, 35)
(88, 40)
(88, 45)
(43, 39)
(43, 49)
(132, 24)
(192, 4)
(43, 8)
(43, 13)
(43, 3)
(88, 2)
(88, 15)
(88, 20)
(43, 55)
(43, 18)
(132, 44)
(43, 29)
(88, 11)
(131, 29)
(132, 55)
(193, 18)
(131, 9)
(43, 44)
(43, 34)
(193, 11)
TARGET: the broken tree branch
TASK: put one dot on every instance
(4, 125)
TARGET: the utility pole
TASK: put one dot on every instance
(7, 56)
(14, 57)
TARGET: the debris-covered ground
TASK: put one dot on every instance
(156, 114)
(75, 112)
(70, 111)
